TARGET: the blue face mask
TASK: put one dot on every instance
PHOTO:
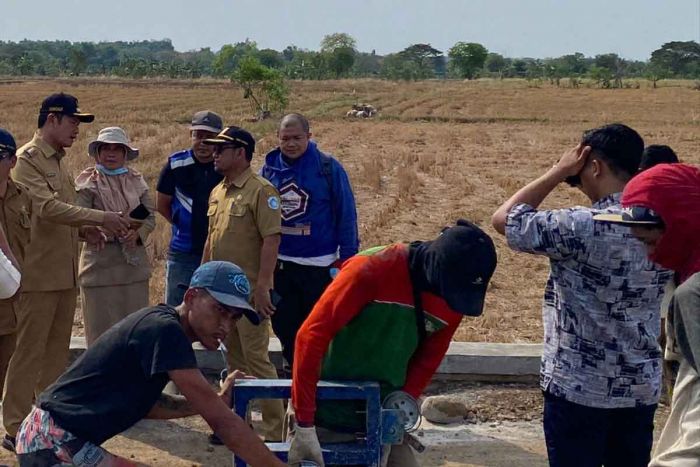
(104, 170)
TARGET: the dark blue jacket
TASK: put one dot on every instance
(318, 207)
(189, 182)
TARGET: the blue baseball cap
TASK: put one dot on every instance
(7, 142)
(227, 284)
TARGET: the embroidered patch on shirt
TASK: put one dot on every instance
(295, 201)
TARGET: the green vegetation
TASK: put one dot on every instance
(337, 57)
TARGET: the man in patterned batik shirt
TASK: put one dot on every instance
(601, 365)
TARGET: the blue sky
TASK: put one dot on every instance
(515, 28)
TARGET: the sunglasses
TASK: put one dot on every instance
(6, 155)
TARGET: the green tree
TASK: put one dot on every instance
(467, 58)
(427, 58)
(339, 51)
(678, 58)
(614, 67)
(78, 60)
(270, 58)
(496, 63)
(263, 86)
(338, 40)
(229, 57)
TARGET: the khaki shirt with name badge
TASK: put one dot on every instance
(51, 259)
(15, 212)
(241, 214)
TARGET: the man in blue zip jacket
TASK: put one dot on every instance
(182, 199)
(319, 224)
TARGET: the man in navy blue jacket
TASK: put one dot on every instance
(319, 224)
(182, 199)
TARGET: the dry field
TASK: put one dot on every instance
(437, 152)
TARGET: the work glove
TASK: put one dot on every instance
(386, 452)
(305, 446)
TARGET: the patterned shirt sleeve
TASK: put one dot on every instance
(558, 234)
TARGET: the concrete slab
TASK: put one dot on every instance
(464, 360)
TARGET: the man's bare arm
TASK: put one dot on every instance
(171, 406)
(536, 191)
(163, 203)
(230, 428)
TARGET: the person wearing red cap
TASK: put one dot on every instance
(601, 361)
(662, 206)
(388, 317)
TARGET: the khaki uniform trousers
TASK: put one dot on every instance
(44, 323)
(7, 348)
(105, 306)
(679, 444)
(248, 351)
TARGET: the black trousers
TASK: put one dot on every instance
(299, 288)
(580, 436)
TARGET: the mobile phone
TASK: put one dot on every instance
(140, 212)
(275, 298)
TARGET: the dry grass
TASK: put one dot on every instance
(438, 151)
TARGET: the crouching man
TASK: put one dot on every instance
(388, 317)
(120, 378)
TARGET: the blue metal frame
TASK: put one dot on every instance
(365, 452)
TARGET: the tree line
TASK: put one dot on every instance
(337, 57)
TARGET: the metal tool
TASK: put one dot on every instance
(407, 406)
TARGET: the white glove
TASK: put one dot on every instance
(305, 446)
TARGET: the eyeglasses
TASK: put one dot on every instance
(218, 149)
(6, 155)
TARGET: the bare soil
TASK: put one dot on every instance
(504, 431)
(437, 151)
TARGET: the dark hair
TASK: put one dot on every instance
(294, 119)
(657, 154)
(248, 154)
(618, 145)
(43, 116)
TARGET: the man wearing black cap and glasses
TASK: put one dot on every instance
(49, 292)
(388, 316)
(244, 228)
(601, 363)
(120, 378)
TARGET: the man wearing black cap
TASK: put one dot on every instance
(182, 199)
(120, 378)
(15, 207)
(388, 317)
(244, 228)
(49, 292)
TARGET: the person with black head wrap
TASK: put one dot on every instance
(388, 316)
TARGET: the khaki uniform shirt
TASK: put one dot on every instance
(241, 214)
(51, 260)
(15, 212)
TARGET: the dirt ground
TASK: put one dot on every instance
(437, 151)
(504, 429)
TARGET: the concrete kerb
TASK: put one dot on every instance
(476, 361)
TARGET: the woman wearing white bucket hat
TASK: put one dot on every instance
(114, 277)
